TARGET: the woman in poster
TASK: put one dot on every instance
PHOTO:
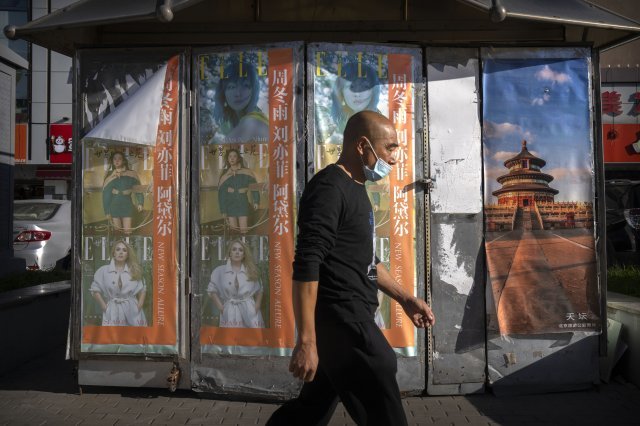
(119, 288)
(235, 289)
(233, 191)
(117, 189)
(236, 111)
(357, 89)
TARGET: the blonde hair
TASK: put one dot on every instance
(247, 260)
(135, 270)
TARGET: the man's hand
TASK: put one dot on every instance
(419, 312)
(416, 309)
(304, 361)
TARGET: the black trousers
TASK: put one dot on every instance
(358, 367)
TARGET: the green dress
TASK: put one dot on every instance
(116, 196)
(233, 194)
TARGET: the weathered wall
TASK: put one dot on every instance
(455, 162)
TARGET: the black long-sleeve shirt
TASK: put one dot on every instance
(335, 247)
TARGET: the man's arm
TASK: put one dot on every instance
(416, 309)
(318, 223)
(304, 360)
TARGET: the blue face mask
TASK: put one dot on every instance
(380, 170)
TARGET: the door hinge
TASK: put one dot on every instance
(427, 183)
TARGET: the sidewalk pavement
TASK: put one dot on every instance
(44, 392)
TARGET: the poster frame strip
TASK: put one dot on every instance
(599, 187)
(74, 342)
(184, 203)
(75, 333)
(196, 298)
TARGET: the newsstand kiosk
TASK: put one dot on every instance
(198, 123)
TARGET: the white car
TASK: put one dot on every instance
(42, 232)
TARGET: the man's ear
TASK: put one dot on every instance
(361, 144)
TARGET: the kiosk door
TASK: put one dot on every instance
(129, 302)
(248, 159)
(343, 79)
(252, 162)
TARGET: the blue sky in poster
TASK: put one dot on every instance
(546, 103)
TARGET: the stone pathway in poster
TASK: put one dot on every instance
(541, 280)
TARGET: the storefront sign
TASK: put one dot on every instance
(21, 143)
(621, 122)
(61, 143)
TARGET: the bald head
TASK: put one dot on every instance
(370, 124)
(368, 137)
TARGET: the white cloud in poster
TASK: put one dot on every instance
(502, 130)
(504, 155)
(573, 184)
(571, 175)
(492, 173)
(547, 74)
(541, 100)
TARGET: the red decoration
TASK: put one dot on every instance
(60, 143)
(635, 110)
(611, 103)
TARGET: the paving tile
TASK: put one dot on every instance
(142, 410)
(451, 419)
(161, 418)
(233, 413)
(61, 422)
(250, 412)
(109, 410)
(145, 419)
(450, 405)
(251, 420)
(181, 418)
(101, 422)
(267, 408)
(194, 403)
(123, 422)
(436, 412)
(199, 421)
(33, 421)
(202, 412)
(132, 403)
(175, 409)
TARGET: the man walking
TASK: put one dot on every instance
(341, 354)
